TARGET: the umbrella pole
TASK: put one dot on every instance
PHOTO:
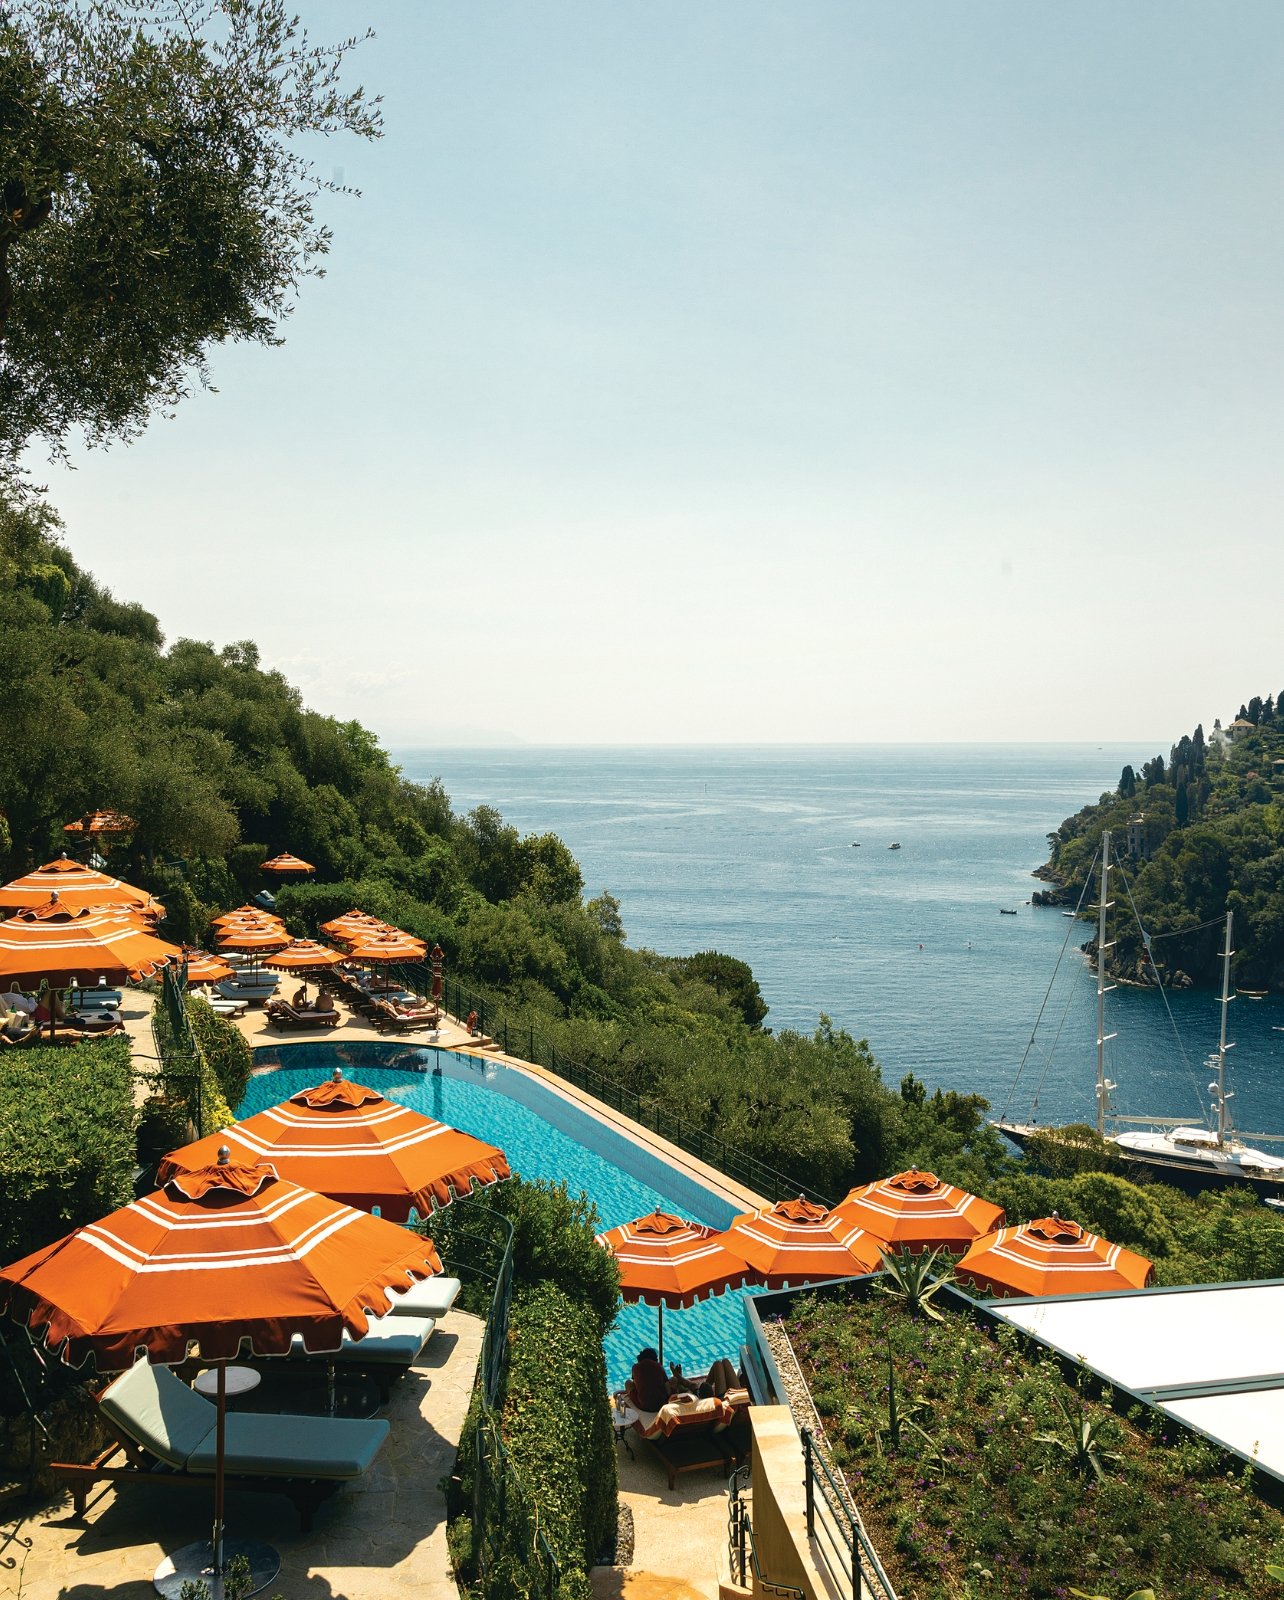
(661, 1332)
(216, 1541)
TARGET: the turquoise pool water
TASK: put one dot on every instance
(544, 1136)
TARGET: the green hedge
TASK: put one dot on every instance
(175, 1099)
(554, 1413)
(67, 1123)
(225, 1048)
(556, 1421)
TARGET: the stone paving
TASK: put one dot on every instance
(380, 1538)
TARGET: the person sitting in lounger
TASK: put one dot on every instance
(648, 1387)
(722, 1376)
(300, 998)
(324, 1003)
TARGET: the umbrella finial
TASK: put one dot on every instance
(224, 1155)
(337, 1075)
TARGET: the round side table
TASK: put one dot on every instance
(236, 1380)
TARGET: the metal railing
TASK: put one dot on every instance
(523, 1041)
(742, 1551)
(836, 1534)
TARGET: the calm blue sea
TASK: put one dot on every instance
(750, 851)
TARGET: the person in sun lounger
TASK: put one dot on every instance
(648, 1386)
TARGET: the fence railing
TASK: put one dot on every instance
(835, 1533)
(742, 1550)
(523, 1040)
(505, 1513)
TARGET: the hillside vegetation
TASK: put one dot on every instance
(221, 765)
(1207, 835)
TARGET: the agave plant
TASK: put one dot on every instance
(1137, 1594)
(914, 1278)
(1082, 1442)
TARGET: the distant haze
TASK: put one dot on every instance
(743, 372)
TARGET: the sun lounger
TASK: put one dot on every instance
(687, 1435)
(166, 1433)
(387, 1019)
(386, 1353)
(282, 1014)
(431, 1297)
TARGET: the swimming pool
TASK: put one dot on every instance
(544, 1135)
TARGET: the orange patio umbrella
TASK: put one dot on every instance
(305, 955)
(101, 824)
(353, 923)
(246, 916)
(286, 863)
(393, 946)
(59, 943)
(351, 1143)
(797, 1242)
(205, 968)
(1051, 1256)
(666, 1261)
(920, 1211)
(252, 938)
(213, 1262)
(75, 885)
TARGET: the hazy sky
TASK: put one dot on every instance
(758, 372)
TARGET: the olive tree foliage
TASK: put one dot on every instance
(155, 204)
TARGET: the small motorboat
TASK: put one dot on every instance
(893, 847)
(1005, 912)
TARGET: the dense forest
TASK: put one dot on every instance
(221, 765)
(1195, 836)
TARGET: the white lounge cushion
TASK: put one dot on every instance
(431, 1297)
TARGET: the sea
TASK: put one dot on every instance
(782, 857)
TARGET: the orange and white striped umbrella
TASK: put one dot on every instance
(285, 862)
(305, 955)
(246, 916)
(252, 939)
(920, 1211)
(59, 943)
(665, 1260)
(215, 1258)
(797, 1242)
(101, 823)
(1051, 1256)
(352, 924)
(351, 1143)
(393, 946)
(205, 968)
(75, 885)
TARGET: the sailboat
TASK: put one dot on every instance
(1170, 1150)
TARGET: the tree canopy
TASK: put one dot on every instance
(1198, 834)
(155, 204)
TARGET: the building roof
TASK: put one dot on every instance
(1208, 1355)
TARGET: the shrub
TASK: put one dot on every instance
(225, 1048)
(66, 1140)
(184, 1078)
(556, 1421)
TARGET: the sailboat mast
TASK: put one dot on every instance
(1222, 1046)
(1103, 1086)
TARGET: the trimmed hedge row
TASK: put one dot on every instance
(554, 1414)
(172, 1112)
(67, 1122)
(556, 1424)
(225, 1048)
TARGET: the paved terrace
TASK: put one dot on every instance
(386, 1536)
(381, 1538)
